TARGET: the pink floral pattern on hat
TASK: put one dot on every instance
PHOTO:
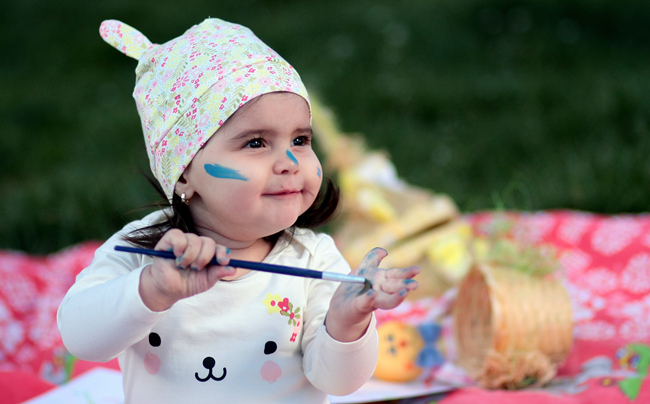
(188, 87)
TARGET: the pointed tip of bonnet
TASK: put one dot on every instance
(124, 38)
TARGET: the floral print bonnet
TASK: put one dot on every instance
(186, 88)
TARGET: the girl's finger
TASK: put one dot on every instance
(174, 240)
(190, 253)
(371, 261)
(386, 301)
(223, 255)
(366, 302)
(402, 273)
(208, 247)
(392, 286)
(214, 273)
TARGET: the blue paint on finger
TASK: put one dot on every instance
(371, 255)
(219, 171)
(318, 172)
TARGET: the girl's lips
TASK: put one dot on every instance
(283, 194)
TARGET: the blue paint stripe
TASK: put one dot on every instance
(292, 157)
(218, 171)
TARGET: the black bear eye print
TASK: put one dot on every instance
(154, 339)
(270, 347)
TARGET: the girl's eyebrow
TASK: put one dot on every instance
(304, 130)
(248, 133)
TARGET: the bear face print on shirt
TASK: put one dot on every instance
(254, 343)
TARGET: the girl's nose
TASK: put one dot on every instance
(286, 163)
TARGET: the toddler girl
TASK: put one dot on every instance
(227, 127)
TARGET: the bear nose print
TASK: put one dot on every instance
(154, 339)
(208, 363)
(270, 347)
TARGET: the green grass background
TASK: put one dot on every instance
(532, 104)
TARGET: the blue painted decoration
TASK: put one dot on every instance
(292, 157)
(218, 171)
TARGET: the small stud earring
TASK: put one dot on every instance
(185, 201)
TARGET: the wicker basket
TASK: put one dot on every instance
(512, 329)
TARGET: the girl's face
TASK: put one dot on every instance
(258, 172)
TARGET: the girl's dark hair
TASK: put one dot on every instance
(178, 216)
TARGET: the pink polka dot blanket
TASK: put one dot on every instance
(606, 270)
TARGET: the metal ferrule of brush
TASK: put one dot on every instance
(331, 276)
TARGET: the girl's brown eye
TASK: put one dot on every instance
(300, 141)
(254, 143)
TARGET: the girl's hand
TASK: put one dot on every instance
(165, 282)
(349, 313)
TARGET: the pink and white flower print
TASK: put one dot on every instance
(30, 293)
(635, 278)
(614, 234)
(573, 228)
(574, 261)
(532, 228)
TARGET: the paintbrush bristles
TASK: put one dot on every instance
(367, 285)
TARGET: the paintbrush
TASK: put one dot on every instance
(260, 266)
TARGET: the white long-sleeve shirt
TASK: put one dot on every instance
(257, 339)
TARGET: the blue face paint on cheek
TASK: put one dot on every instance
(318, 172)
(292, 157)
(218, 171)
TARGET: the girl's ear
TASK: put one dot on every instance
(183, 186)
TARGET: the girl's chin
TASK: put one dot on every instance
(283, 223)
(272, 223)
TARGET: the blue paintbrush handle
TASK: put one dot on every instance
(256, 266)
